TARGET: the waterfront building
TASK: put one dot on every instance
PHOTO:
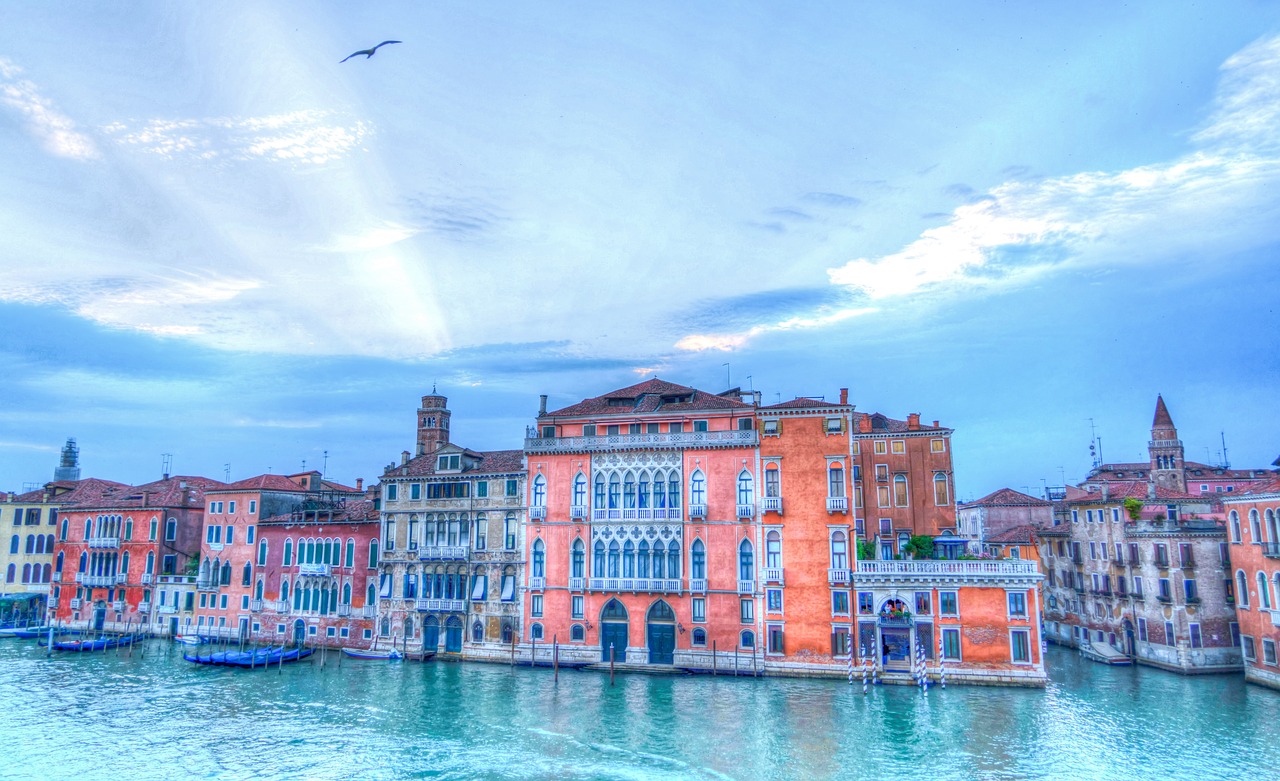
(1167, 466)
(314, 569)
(998, 512)
(452, 555)
(129, 555)
(1253, 532)
(1018, 542)
(231, 578)
(1140, 572)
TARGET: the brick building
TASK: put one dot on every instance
(998, 512)
(1253, 530)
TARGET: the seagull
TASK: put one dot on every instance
(366, 52)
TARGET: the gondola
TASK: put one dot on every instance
(27, 632)
(262, 657)
(95, 644)
(391, 655)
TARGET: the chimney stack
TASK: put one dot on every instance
(144, 498)
(542, 405)
(359, 483)
(935, 424)
(913, 421)
(844, 395)
(404, 457)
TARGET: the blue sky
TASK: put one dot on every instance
(218, 242)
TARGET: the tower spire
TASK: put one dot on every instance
(1168, 468)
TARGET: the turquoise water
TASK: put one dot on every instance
(154, 716)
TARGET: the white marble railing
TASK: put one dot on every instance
(921, 568)
(746, 586)
(698, 585)
(837, 504)
(665, 585)
(772, 504)
(838, 575)
(434, 552)
(104, 542)
(684, 439)
(321, 570)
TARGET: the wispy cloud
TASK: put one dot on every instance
(55, 131)
(1221, 194)
(310, 136)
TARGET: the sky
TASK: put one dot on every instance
(220, 243)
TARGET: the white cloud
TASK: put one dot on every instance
(311, 136)
(1221, 195)
(732, 341)
(56, 131)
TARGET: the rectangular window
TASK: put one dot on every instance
(898, 446)
(577, 606)
(391, 492)
(1248, 648)
(248, 535)
(951, 644)
(535, 605)
(513, 488)
(1189, 591)
(840, 603)
(1165, 594)
(882, 496)
(612, 431)
(840, 643)
(675, 428)
(775, 639)
(881, 447)
(1235, 634)
(244, 601)
(633, 428)
(508, 588)
(866, 603)
(834, 426)
(1093, 549)
(773, 600)
(231, 535)
(1142, 629)
(1020, 642)
(170, 564)
(223, 602)
(948, 603)
(1017, 604)
(1137, 586)
(937, 445)
(1168, 633)
(699, 609)
(204, 600)
(746, 611)
(699, 425)
(415, 490)
(1196, 640)
(253, 506)
(769, 428)
(482, 489)
(589, 430)
(924, 604)
(652, 428)
(1269, 651)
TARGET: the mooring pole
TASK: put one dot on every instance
(555, 659)
(713, 658)
(610, 664)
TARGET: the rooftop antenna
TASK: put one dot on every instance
(1044, 488)
(433, 387)
(226, 471)
(1093, 444)
(1226, 462)
(750, 386)
(324, 469)
(728, 383)
(1062, 472)
(1207, 456)
(304, 464)
(166, 463)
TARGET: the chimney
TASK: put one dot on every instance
(166, 476)
(182, 483)
(1105, 492)
(359, 483)
(935, 424)
(844, 395)
(1151, 490)
(144, 498)
(542, 405)
(404, 457)
(913, 421)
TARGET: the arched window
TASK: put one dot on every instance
(351, 552)
(578, 563)
(45, 574)
(128, 529)
(773, 549)
(535, 632)
(673, 560)
(613, 559)
(226, 574)
(839, 551)
(370, 594)
(1264, 592)
(39, 543)
(698, 561)
(698, 488)
(615, 491)
(11, 574)
(748, 639)
(941, 491)
(1242, 589)
(1255, 528)
(373, 553)
(88, 528)
(31, 543)
(48, 543)
(346, 594)
(539, 559)
(660, 491)
(642, 560)
(900, 496)
(835, 480)
(746, 566)
(658, 562)
(257, 589)
(642, 491)
(597, 560)
(580, 490)
(600, 502)
(539, 498)
(477, 632)
(1272, 535)
(629, 559)
(59, 566)
(84, 561)
(288, 552)
(124, 563)
(509, 531)
(576, 633)
(14, 543)
(26, 573)
(62, 530)
(746, 488)
(699, 636)
(673, 489)
(629, 490)
(246, 577)
(1235, 526)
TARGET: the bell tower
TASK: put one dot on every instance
(1167, 467)
(433, 423)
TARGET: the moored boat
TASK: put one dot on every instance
(391, 655)
(95, 644)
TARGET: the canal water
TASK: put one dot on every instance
(154, 716)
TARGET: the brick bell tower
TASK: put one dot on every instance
(1167, 467)
(433, 423)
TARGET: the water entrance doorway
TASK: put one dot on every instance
(613, 631)
(661, 633)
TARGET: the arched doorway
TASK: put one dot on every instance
(1130, 647)
(660, 631)
(453, 635)
(431, 633)
(895, 635)
(613, 631)
(299, 631)
(99, 616)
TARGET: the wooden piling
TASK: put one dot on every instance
(713, 658)
(610, 664)
(555, 660)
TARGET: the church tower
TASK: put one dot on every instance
(1167, 467)
(69, 464)
(433, 423)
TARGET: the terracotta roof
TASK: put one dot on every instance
(1140, 469)
(881, 424)
(1268, 485)
(330, 485)
(351, 511)
(491, 462)
(70, 491)
(169, 492)
(804, 402)
(1162, 418)
(652, 395)
(261, 483)
(1138, 489)
(1007, 497)
(1023, 534)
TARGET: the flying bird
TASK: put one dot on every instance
(366, 52)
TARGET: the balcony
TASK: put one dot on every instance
(76, 603)
(773, 575)
(537, 584)
(837, 504)
(1165, 598)
(99, 581)
(279, 605)
(344, 611)
(772, 504)
(79, 577)
(677, 441)
(103, 542)
(319, 570)
(255, 605)
(443, 605)
(370, 611)
(442, 552)
(838, 576)
(661, 585)
(697, 511)
(746, 510)
(537, 513)
(578, 513)
(144, 607)
(1193, 599)
(746, 586)
(1137, 595)
(1162, 562)
(118, 606)
(147, 578)
(947, 567)
(166, 608)
(1189, 563)
(122, 578)
(1275, 617)
(1271, 550)
(206, 585)
(577, 584)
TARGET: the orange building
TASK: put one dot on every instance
(1253, 534)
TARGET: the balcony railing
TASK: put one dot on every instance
(663, 585)
(344, 610)
(99, 581)
(1137, 595)
(321, 570)
(681, 440)
(1275, 617)
(439, 552)
(577, 584)
(1165, 598)
(147, 578)
(837, 504)
(76, 603)
(773, 504)
(255, 605)
(79, 577)
(166, 608)
(118, 606)
(838, 575)
(746, 586)
(443, 605)
(578, 512)
(206, 585)
(538, 584)
(144, 607)
(122, 578)
(697, 511)
(918, 568)
(537, 513)
(1271, 550)
(1162, 562)
(746, 510)
(698, 585)
(104, 542)
(370, 611)
(773, 575)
